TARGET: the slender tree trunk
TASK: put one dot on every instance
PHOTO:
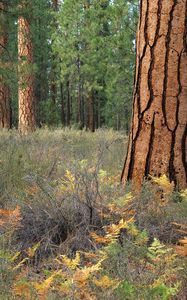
(78, 117)
(5, 107)
(82, 107)
(90, 112)
(157, 142)
(27, 122)
(53, 90)
(62, 105)
(96, 111)
(54, 69)
(68, 109)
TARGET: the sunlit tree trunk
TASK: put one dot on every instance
(5, 109)
(157, 142)
(26, 86)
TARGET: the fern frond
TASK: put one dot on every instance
(71, 263)
(164, 183)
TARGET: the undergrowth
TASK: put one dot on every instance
(68, 230)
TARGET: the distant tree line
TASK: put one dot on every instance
(68, 63)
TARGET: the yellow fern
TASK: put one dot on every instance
(16, 255)
(31, 250)
(112, 232)
(105, 282)
(80, 277)
(100, 239)
(43, 287)
(164, 183)
(68, 182)
(114, 229)
(21, 263)
(183, 194)
(71, 263)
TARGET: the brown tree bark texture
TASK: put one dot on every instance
(27, 120)
(157, 141)
(5, 110)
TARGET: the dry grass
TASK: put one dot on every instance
(61, 189)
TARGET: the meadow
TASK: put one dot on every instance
(70, 230)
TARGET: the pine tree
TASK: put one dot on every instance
(5, 108)
(157, 142)
(41, 36)
(93, 44)
(27, 121)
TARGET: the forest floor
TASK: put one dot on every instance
(69, 230)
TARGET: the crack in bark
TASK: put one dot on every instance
(141, 115)
(168, 39)
(172, 173)
(151, 68)
(185, 30)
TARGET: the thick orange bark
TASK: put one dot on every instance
(157, 142)
(5, 110)
(27, 121)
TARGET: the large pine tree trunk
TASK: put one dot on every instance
(5, 109)
(27, 121)
(157, 142)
